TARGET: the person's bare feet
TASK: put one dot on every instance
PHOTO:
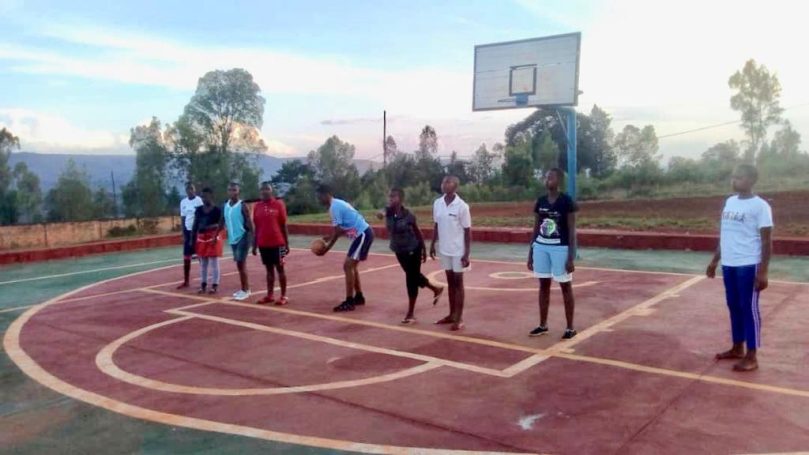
(733, 353)
(456, 326)
(437, 295)
(748, 363)
(446, 320)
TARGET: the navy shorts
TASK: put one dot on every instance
(361, 245)
(188, 244)
(240, 249)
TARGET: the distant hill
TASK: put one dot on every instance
(48, 166)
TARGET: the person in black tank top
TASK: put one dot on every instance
(408, 244)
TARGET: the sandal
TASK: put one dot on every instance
(267, 300)
(457, 326)
(283, 301)
(408, 321)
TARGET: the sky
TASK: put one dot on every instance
(76, 76)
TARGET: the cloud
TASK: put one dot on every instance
(44, 132)
(350, 121)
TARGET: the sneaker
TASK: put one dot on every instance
(359, 299)
(214, 289)
(569, 333)
(236, 293)
(539, 331)
(347, 305)
(242, 295)
(202, 288)
(282, 301)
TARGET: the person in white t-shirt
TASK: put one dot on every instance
(745, 246)
(188, 206)
(453, 232)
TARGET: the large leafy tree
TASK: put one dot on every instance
(217, 137)
(391, 149)
(756, 97)
(401, 171)
(637, 146)
(71, 199)
(333, 163)
(459, 168)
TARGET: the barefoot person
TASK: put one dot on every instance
(272, 239)
(744, 250)
(240, 228)
(553, 250)
(349, 222)
(188, 206)
(208, 245)
(453, 233)
(407, 242)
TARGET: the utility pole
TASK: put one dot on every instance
(114, 194)
(384, 139)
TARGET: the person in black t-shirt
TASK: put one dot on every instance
(553, 249)
(407, 242)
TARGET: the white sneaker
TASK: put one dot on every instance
(243, 295)
(236, 293)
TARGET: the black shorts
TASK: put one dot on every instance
(272, 256)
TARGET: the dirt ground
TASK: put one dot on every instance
(698, 215)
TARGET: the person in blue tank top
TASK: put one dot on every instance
(349, 222)
(240, 229)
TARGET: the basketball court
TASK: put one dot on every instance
(639, 377)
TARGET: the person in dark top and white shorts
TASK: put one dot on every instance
(553, 249)
(407, 242)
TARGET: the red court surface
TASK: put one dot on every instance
(639, 378)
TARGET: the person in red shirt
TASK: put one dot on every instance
(272, 240)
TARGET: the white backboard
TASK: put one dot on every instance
(527, 73)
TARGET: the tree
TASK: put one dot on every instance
(145, 194)
(428, 169)
(481, 169)
(333, 163)
(8, 199)
(71, 199)
(401, 172)
(757, 98)
(546, 155)
(428, 143)
(518, 168)
(684, 170)
(391, 149)
(104, 205)
(595, 138)
(720, 160)
(291, 172)
(28, 194)
(458, 167)
(782, 156)
(223, 118)
(637, 147)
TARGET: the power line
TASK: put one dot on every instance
(719, 125)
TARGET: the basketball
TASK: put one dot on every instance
(318, 247)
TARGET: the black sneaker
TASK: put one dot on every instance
(347, 305)
(359, 299)
(539, 331)
(569, 333)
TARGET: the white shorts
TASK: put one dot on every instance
(453, 263)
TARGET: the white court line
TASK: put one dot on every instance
(60, 275)
(17, 308)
